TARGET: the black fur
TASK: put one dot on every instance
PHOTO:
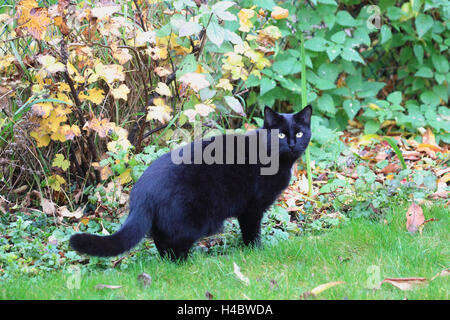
(179, 204)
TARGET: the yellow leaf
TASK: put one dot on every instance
(42, 109)
(41, 137)
(244, 19)
(125, 177)
(55, 181)
(50, 64)
(95, 95)
(225, 84)
(203, 109)
(121, 92)
(196, 81)
(122, 55)
(32, 18)
(159, 112)
(60, 162)
(163, 89)
(279, 13)
(319, 289)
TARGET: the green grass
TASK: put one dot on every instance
(296, 265)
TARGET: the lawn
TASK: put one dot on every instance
(361, 253)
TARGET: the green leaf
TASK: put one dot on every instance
(265, 4)
(220, 10)
(397, 151)
(429, 97)
(418, 52)
(424, 72)
(215, 33)
(326, 104)
(316, 44)
(344, 18)
(334, 51)
(189, 28)
(339, 37)
(423, 23)
(386, 34)
(234, 104)
(351, 107)
(267, 84)
(371, 127)
(395, 97)
(440, 63)
(351, 54)
(287, 66)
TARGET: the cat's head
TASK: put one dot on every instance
(294, 130)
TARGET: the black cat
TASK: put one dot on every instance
(179, 203)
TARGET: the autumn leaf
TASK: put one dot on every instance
(50, 64)
(160, 112)
(162, 72)
(319, 289)
(225, 84)
(239, 275)
(196, 81)
(48, 207)
(95, 95)
(121, 92)
(32, 18)
(122, 55)
(244, 19)
(107, 286)
(405, 284)
(55, 181)
(279, 13)
(42, 109)
(163, 89)
(101, 126)
(414, 218)
(60, 162)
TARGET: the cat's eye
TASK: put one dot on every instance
(299, 134)
(281, 135)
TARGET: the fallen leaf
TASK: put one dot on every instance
(319, 289)
(414, 218)
(279, 13)
(64, 212)
(48, 207)
(390, 168)
(107, 286)
(443, 273)
(208, 295)
(239, 275)
(405, 284)
(145, 279)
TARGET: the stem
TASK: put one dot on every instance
(304, 103)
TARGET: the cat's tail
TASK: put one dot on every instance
(137, 225)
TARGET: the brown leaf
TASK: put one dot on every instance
(208, 295)
(390, 168)
(48, 207)
(443, 273)
(414, 217)
(405, 284)
(319, 289)
(145, 279)
(107, 286)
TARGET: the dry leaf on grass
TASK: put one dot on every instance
(239, 275)
(414, 218)
(405, 284)
(107, 286)
(145, 279)
(443, 273)
(48, 207)
(319, 289)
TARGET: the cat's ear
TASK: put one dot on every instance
(271, 118)
(304, 115)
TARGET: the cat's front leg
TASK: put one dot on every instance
(250, 223)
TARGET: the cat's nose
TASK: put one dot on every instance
(292, 146)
